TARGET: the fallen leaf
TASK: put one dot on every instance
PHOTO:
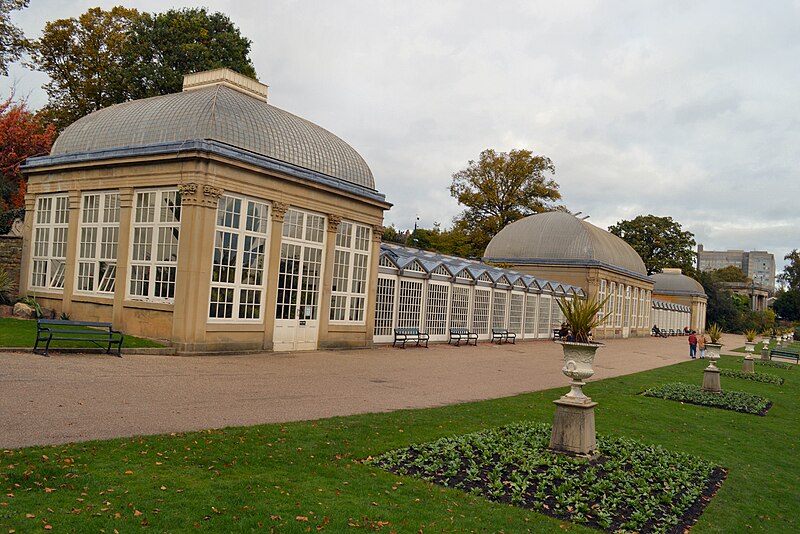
(301, 518)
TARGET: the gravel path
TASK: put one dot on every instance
(78, 397)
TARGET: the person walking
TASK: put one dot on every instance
(692, 345)
(701, 345)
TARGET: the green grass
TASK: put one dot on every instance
(22, 333)
(306, 475)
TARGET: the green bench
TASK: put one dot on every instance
(502, 334)
(404, 335)
(784, 353)
(458, 334)
(100, 334)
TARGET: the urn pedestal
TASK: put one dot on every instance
(711, 373)
(765, 352)
(573, 425)
(748, 366)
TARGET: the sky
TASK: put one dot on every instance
(686, 109)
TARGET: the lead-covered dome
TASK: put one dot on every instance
(220, 106)
(557, 237)
(673, 282)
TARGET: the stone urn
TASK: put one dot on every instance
(578, 360)
(573, 426)
(749, 346)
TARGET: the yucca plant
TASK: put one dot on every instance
(583, 315)
(7, 286)
(750, 335)
(715, 333)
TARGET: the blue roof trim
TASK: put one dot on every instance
(403, 255)
(212, 147)
(674, 292)
(586, 263)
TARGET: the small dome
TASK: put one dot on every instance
(673, 282)
(222, 106)
(558, 237)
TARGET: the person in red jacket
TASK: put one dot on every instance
(692, 345)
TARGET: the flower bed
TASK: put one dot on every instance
(755, 377)
(628, 487)
(770, 363)
(737, 401)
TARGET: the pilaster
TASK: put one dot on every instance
(196, 245)
(277, 214)
(327, 280)
(123, 256)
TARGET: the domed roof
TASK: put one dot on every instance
(558, 237)
(672, 282)
(222, 106)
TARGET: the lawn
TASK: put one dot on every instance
(22, 333)
(308, 476)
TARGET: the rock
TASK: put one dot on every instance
(23, 311)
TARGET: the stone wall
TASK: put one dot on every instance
(11, 259)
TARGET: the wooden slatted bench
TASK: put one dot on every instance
(784, 353)
(502, 334)
(404, 335)
(556, 334)
(458, 334)
(100, 334)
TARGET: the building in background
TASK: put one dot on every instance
(758, 265)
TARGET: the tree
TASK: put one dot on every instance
(731, 273)
(165, 46)
(107, 57)
(499, 189)
(787, 304)
(791, 273)
(22, 135)
(85, 59)
(660, 241)
(12, 40)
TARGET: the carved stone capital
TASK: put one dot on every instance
(333, 222)
(279, 211)
(193, 194)
(377, 232)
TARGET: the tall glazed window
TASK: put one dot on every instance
(480, 311)
(241, 244)
(499, 305)
(384, 307)
(50, 227)
(99, 239)
(350, 272)
(459, 307)
(155, 235)
(409, 311)
(436, 318)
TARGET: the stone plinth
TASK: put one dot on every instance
(573, 427)
(748, 366)
(711, 380)
(765, 352)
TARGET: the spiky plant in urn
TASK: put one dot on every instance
(573, 428)
(750, 344)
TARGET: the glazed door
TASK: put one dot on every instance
(297, 309)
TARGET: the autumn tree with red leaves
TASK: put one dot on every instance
(22, 135)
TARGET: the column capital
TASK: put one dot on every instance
(377, 232)
(193, 194)
(279, 211)
(333, 222)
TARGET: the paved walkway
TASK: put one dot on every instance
(78, 397)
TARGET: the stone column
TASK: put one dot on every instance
(73, 236)
(327, 280)
(277, 212)
(190, 311)
(372, 287)
(123, 256)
